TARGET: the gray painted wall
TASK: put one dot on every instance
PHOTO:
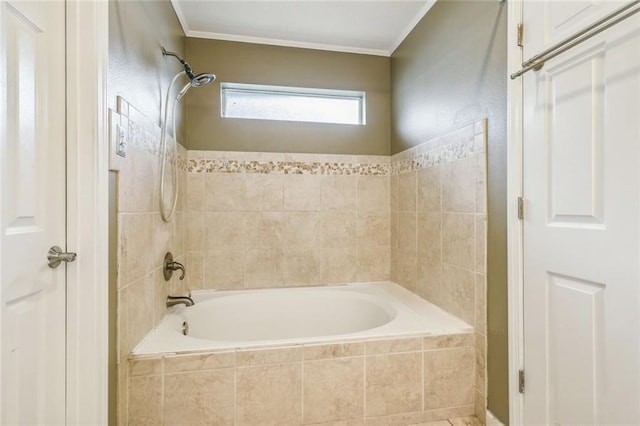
(452, 70)
(286, 66)
(137, 70)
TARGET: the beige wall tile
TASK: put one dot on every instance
(393, 194)
(458, 186)
(403, 419)
(481, 407)
(373, 193)
(269, 395)
(195, 230)
(266, 229)
(449, 378)
(145, 400)
(263, 268)
(140, 309)
(428, 189)
(338, 192)
(195, 270)
(421, 417)
(373, 229)
(481, 243)
(429, 235)
(224, 269)
(385, 346)
(302, 192)
(373, 264)
(447, 341)
(138, 181)
(393, 229)
(224, 230)
(136, 237)
(333, 390)
(339, 265)
(301, 267)
(333, 350)
(200, 398)
(407, 273)
(458, 240)
(458, 292)
(123, 341)
(481, 183)
(466, 421)
(407, 192)
(145, 366)
(224, 192)
(339, 229)
(394, 266)
(481, 362)
(162, 241)
(248, 357)
(393, 383)
(122, 394)
(198, 361)
(407, 234)
(429, 280)
(195, 191)
(359, 422)
(302, 229)
(480, 321)
(264, 192)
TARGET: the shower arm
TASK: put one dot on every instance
(185, 64)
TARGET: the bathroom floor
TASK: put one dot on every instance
(460, 421)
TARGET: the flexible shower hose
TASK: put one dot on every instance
(167, 216)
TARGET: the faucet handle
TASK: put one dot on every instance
(170, 266)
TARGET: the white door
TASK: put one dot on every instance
(582, 220)
(32, 166)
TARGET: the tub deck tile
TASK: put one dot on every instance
(385, 346)
(248, 357)
(195, 362)
(333, 350)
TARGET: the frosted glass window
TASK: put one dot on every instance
(292, 104)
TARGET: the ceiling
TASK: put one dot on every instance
(372, 27)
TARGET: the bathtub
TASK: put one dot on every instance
(296, 316)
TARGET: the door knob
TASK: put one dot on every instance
(56, 256)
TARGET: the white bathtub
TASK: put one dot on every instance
(292, 316)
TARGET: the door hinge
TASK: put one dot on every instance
(520, 208)
(520, 34)
(521, 381)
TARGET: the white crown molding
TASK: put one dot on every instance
(412, 24)
(180, 15)
(300, 44)
(286, 43)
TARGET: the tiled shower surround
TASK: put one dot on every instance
(438, 229)
(254, 220)
(143, 239)
(270, 220)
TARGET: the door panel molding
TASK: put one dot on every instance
(588, 304)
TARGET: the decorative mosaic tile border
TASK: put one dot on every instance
(141, 138)
(458, 145)
(286, 167)
(463, 143)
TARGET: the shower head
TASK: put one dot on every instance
(197, 81)
(194, 80)
(203, 79)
